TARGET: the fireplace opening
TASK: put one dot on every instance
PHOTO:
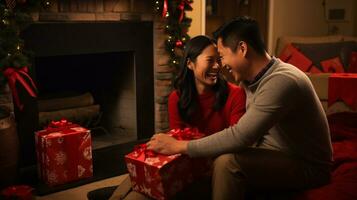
(95, 90)
(104, 69)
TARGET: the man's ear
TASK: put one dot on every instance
(243, 47)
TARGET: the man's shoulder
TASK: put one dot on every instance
(287, 73)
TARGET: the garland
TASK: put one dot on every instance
(176, 28)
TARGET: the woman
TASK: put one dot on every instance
(202, 98)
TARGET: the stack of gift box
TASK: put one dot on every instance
(161, 176)
(64, 153)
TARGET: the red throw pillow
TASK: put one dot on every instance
(315, 70)
(353, 63)
(287, 52)
(332, 65)
(293, 56)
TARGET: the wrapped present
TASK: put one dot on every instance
(64, 153)
(161, 176)
(18, 192)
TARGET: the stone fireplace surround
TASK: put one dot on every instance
(114, 11)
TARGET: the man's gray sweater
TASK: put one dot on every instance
(283, 113)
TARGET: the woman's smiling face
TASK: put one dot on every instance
(206, 68)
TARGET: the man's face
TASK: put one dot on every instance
(235, 61)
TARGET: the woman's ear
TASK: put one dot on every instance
(190, 64)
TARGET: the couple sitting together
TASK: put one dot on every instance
(270, 133)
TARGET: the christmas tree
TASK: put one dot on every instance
(14, 17)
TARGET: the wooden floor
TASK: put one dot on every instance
(80, 193)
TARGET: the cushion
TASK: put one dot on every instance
(315, 70)
(318, 52)
(293, 56)
(332, 65)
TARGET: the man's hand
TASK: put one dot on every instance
(165, 144)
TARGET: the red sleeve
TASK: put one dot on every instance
(174, 116)
(237, 100)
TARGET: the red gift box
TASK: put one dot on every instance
(64, 153)
(161, 176)
(19, 192)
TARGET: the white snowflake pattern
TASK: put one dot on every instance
(87, 153)
(52, 177)
(47, 160)
(160, 188)
(65, 174)
(48, 143)
(132, 169)
(60, 140)
(146, 190)
(152, 161)
(81, 170)
(60, 158)
(148, 177)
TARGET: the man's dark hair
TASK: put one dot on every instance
(241, 29)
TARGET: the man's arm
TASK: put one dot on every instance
(273, 100)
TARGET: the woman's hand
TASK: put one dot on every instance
(165, 144)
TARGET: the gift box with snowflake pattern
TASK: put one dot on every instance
(160, 176)
(64, 154)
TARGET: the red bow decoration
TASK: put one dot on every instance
(181, 7)
(186, 134)
(59, 125)
(14, 75)
(22, 192)
(141, 152)
(164, 9)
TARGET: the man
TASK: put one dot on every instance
(282, 142)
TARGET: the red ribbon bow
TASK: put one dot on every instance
(186, 134)
(142, 152)
(14, 75)
(59, 125)
(181, 7)
(164, 9)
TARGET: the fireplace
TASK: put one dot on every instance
(113, 62)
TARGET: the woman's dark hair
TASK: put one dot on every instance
(185, 81)
(241, 29)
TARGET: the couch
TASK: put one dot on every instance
(319, 80)
(343, 128)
